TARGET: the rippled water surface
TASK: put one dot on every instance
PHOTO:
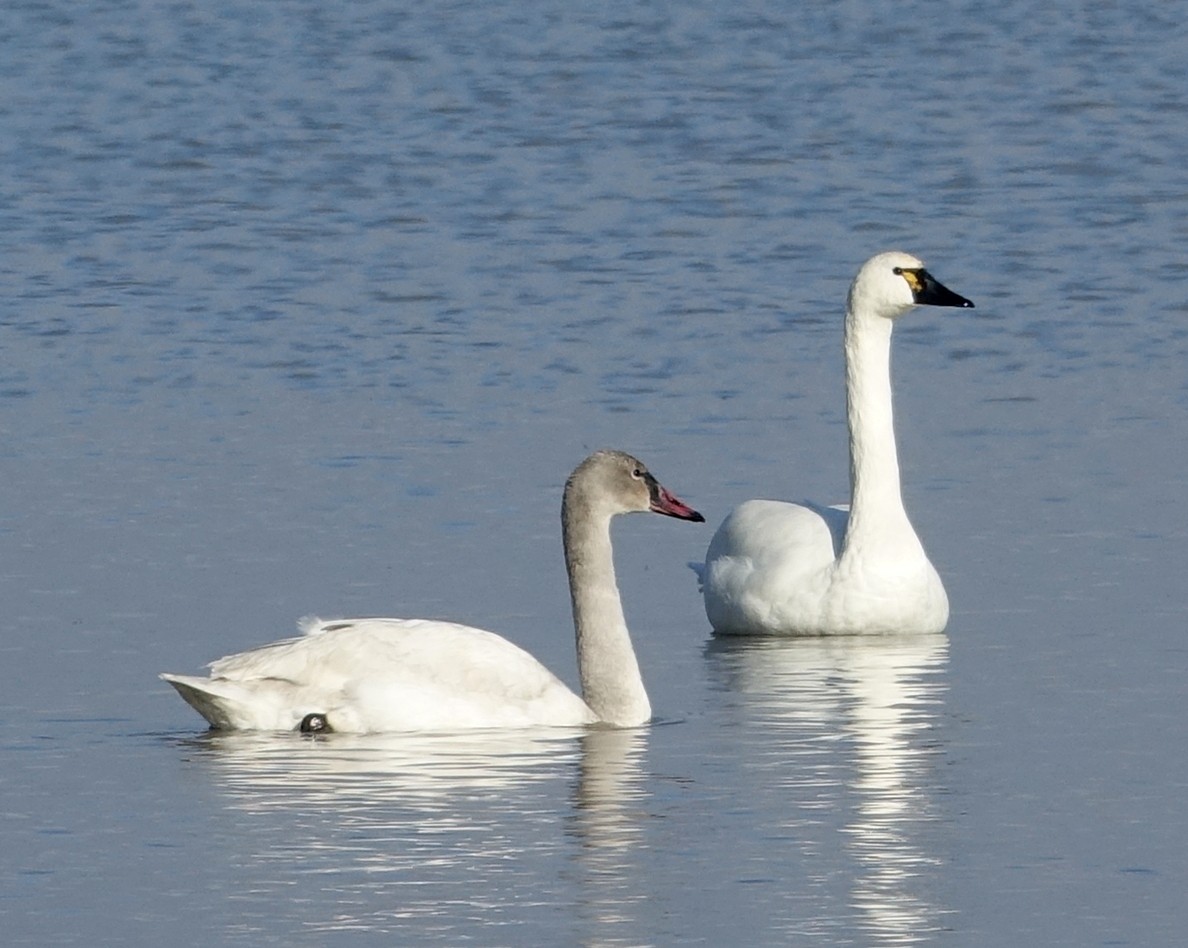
(310, 308)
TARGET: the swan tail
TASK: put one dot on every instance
(224, 704)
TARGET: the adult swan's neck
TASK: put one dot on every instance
(611, 683)
(876, 504)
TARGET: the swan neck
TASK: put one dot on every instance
(876, 502)
(611, 682)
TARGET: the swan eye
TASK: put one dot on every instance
(637, 472)
(898, 271)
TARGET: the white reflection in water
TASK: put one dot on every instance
(417, 770)
(875, 702)
(607, 817)
(433, 832)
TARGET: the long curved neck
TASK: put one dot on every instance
(611, 682)
(876, 504)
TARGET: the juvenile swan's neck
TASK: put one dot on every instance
(876, 504)
(611, 683)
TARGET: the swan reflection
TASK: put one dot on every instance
(423, 831)
(419, 770)
(866, 707)
(607, 819)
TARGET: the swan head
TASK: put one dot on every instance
(889, 284)
(613, 482)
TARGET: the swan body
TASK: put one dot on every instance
(776, 568)
(367, 675)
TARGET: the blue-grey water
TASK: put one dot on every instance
(310, 308)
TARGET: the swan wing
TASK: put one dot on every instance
(768, 559)
(384, 675)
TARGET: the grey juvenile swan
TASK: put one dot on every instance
(364, 675)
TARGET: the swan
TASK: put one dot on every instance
(775, 568)
(371, 675)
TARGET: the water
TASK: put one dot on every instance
(311, 310)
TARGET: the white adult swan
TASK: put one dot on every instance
(777, 568)
(363, 675)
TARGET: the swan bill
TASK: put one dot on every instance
(929, 291)
(667, 503)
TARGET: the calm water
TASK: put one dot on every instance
(311, 310)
